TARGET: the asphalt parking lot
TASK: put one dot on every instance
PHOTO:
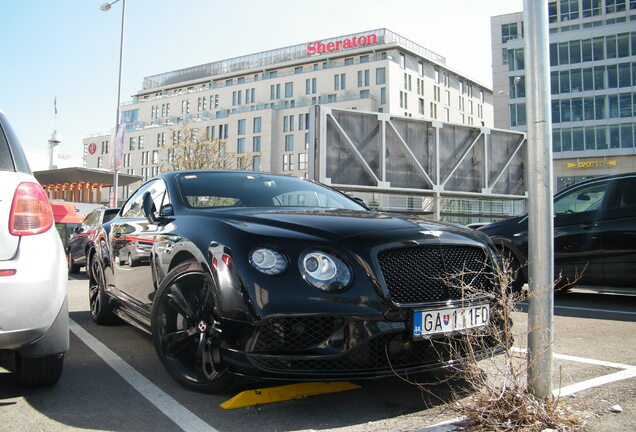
(113, 381)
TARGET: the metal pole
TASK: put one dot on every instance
(540, 209)
(113, 202)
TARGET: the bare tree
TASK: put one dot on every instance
(192, 149)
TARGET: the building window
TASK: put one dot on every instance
(552, 12)
(420, 68)
(348, 61)
(508, 32)
(274, 91)
(240, 145)
(100, 162)
(339, 81)
(132, 143)
(257, 125)
(241, 127)
(420, 106)
(591, 8)
(302, 161)
(331, 98)
(289, 89)
(363, 78)
(380, 76)
(288, 162)
(383, 95)
(433, 107)
(256, 144)
(161, 139)
(402, 61)
(310, 86)
(256, 163)
(298, 69)
(612, 6)
(569, 10)
(140, 142)
(289, 142)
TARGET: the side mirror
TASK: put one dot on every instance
(148, 207)
(166, 210)
(361, 202)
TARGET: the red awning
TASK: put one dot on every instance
(66, 213)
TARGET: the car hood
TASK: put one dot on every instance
(334, 225)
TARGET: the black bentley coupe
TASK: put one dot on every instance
(270, 276)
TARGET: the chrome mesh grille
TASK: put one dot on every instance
(422, 274)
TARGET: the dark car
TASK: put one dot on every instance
(84, 236)
(270, 276)
(594, 234)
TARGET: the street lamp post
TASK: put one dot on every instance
(105, 7)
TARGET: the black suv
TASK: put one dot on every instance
(84, 235)
(594, 233)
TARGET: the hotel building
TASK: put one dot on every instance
(259, 103)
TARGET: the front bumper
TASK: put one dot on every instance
(338, 347)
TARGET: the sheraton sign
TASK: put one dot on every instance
(314, 48)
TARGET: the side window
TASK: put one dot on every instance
(90, 219)
(626, 193)
(583, 199)
(159, 194)
(132, 209)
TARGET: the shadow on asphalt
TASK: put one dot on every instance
(91, 395)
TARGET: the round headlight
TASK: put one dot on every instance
(268, 261)
(325, 271)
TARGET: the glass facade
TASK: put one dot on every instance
(592, 81)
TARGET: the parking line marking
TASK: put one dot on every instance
(587, 309)
(581, 360)
(596, 310)
(176, 412)
(595, 382)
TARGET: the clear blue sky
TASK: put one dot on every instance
(70, 49)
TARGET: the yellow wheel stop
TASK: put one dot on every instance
(286, 392)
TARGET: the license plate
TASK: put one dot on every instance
(435, 321)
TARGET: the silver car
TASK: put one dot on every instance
(33, 275)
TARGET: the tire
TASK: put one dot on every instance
(99, 300)
(72, 268)
(130, 261)
(39, 371)
(186, 330)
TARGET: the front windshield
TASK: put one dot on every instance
(239, 189)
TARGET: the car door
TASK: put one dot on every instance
(577, 237)
(129, 231)
(618, 234)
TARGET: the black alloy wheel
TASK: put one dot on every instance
(186, 330)
(99, 300)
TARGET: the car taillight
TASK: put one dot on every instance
(31, 211)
